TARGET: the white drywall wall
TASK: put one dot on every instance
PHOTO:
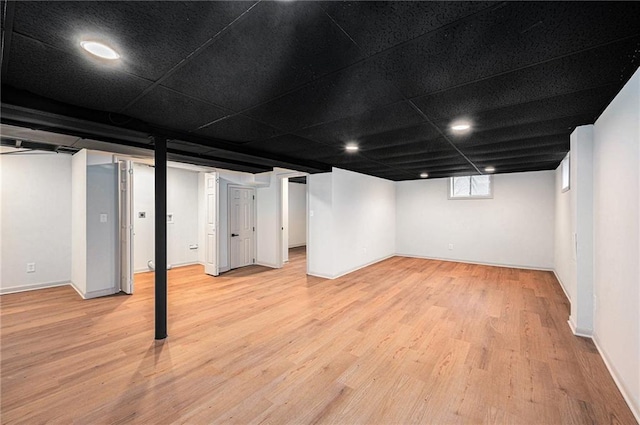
(320, 242)
(352, 220)
(515, 228)
(297, 214)
(564, 247)
(101, 230)
(617, 239)
(284, 209)
(364, 220)
(581, 194)
(182, 202)
(79, 221)
(36, 220)
(268, 220)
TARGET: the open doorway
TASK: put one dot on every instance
(293, 219)
(192, 218)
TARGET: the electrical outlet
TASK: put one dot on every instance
(450, 247)
(31, 267)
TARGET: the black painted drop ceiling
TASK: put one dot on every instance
(250, 85)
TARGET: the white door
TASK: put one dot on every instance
(125, 216)
(241, 226)
(211, 223)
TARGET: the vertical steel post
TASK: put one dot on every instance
(161, 236)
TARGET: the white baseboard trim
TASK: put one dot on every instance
(100, 293)
(585, 333)
(312, 273)
(634, 405)
(77, 290)
(270, 265)
(31, 287)
(320, 275)
(480, 263)
(566, 294)
(297, 245)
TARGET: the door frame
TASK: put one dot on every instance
(254, 218)
(280, 176)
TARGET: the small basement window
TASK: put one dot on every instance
(469, 187)
(566, 173)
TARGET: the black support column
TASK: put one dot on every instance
(161, 236)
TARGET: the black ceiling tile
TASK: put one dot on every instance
(169, 109)
(354, 128)
(151, 37)
(289, 144)
(350, 92)
(586, 103)
(379, 25)
(437, 146)
(522, 167)
(54, 74)
(552, 143)
(560, 127)
(517, 35)
(278, 46)
(390, 139)
(573, 73)
(239, 129)
(530, 157)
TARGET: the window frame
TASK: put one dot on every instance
(489, 196)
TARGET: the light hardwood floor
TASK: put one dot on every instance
(402, 341)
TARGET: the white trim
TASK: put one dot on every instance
(370, 263)
(614, 374)
(31, 287)
(322, 276)
(562, 286)
(270, 265)
(480, 263)
(584, 333)
(100, 293)
(297, 245)
(77, 290)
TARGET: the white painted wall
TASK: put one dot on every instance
(297, 214)
(101, 237)
(515, 228)
(284, 209)
(183, 201)
(352, 220)
(268, 219)
(36, 220)
(581, 194)
(617, 239)
(564, 252)
(320, 242)
(364, 220)
(79, 221)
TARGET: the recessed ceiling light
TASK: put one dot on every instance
(100, 50)
(489, 169)
(424, 175)
(460, 126)
(351, 147)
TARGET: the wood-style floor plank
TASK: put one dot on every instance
(401, 342)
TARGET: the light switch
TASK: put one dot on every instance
(310, 213)
(103, 218)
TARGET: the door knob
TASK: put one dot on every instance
(235, 234)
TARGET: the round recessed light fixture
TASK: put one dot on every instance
(424, 175)
(460, 126)
(489, 169)
(100, 50)
(351, 147)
